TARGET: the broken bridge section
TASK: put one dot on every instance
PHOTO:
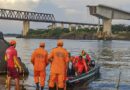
(107, 14)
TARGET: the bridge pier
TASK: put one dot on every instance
(62, 25)
(26, 25)
(83, 26)
(107, 13)
(76, 27)
(106, 34)
(80, 27)
(98, 27)
(90, 27)
(53, 26)
(70, 27)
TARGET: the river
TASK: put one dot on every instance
(113, 57)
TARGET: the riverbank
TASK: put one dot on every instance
(61, 33)
(80, 34)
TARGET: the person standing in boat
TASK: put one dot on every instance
(90, 62)
(39, 61)
(86, 56)
(13, 65)
(71, 69)
(59, 59)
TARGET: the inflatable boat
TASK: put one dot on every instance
(83, 79)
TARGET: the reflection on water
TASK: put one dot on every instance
(113, 56)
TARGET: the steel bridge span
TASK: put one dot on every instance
(27, 16)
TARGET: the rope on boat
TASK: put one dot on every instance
(118, 83)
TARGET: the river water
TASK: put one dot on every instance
(113, 57)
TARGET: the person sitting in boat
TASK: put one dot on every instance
(86, 56)
(71, 70)
(80, 66)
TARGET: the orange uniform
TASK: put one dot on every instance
(59, 58)
(39, 60)
(80, 64)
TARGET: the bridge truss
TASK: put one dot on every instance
(24, 15)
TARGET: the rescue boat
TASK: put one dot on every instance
(83, 79)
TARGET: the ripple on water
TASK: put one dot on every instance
(109, 54)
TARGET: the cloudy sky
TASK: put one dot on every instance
(66, 10)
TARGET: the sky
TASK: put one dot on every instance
(63, 10)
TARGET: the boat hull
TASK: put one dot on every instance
(84, 79)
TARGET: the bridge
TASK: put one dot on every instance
(26, 17)
(107, 13)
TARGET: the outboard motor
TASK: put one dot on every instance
(1, 35)
(92, 63)
(71, 70)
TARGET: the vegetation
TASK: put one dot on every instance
(119, 31)
(120, 28)
(61, 33)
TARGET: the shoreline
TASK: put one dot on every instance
(128, 39)
(80, 34)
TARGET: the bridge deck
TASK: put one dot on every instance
(9, 14)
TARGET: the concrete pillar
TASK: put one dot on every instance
(89, 27)
(83, 26)
(98, 28)
(107, 28)
(76, 27)
(26, 25)
(70, 27)
(62, 25)
(95, 27)
(49, 26)
(79, 26)
(53, 26)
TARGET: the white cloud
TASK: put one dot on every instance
(78, 4)
(35, 0)
(8, 26)
(67, 10)
(77, 9)
(19, 4)
(14, 1)
(71, 11)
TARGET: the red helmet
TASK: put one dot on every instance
(12, 42)
(59, 42)
(42, 44)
